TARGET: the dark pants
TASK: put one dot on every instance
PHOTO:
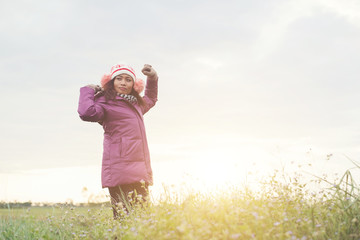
(125, 196)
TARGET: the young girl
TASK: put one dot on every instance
(118, 107)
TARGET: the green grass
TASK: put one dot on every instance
(281, 210)
(39, 213)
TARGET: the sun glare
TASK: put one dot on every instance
(212, 170)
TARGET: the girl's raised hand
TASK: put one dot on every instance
(149, 71)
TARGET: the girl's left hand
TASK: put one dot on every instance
(149, 71)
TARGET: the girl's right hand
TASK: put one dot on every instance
(97, 88)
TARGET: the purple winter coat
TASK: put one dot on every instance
(126, 157)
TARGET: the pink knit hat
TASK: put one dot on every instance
(118, 69)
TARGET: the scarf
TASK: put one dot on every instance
(128, 97)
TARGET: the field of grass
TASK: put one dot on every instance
(281, 210)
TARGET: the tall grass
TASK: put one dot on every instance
(285, 208)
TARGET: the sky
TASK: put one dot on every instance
(244, 87)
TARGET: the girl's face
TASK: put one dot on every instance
(123, 84)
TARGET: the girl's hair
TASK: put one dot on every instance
(110, 93)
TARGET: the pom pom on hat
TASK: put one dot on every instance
(139, 85)
(105, 79)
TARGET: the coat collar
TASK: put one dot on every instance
(135, 106)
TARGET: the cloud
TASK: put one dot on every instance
(348, 9)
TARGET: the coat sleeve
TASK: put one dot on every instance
(151, 93)
(88, 109)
